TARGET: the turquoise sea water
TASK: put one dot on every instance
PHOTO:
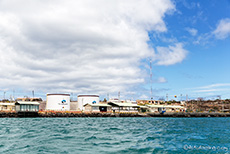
(114, 135)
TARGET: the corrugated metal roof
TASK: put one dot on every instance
(87, 96)
(28, 103)
(106, 105)
(124, 104)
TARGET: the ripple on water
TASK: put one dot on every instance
(111, 135)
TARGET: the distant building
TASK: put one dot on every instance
(167, 108)
(86, 99)
(9, 106)
(98, 107)
(29, 99)
(116, 100)
(27, 106)
(124, 107)
(73, 105)
(142, 102)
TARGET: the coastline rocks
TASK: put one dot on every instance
(184, 114)
(52, 114)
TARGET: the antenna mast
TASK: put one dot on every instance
(119, 97)
(151, 75)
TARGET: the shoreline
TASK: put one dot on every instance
(99, 114)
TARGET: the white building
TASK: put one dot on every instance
(27, 106)
(7, 106)
(86, 99)
(98, 107)
(59, 102)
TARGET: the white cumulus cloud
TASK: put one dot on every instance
(80, 46)
(223, 29)
(192, 31)
(171, 55)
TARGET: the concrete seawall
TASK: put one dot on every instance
(80, 114)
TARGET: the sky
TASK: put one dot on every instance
(106, 47)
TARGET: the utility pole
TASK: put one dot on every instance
(4, 94)
(119, 96)
(151, 75)
(167, 97)
(33, 93)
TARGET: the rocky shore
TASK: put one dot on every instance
(80, 114)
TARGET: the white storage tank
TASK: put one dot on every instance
(60, 102)
(84, 99)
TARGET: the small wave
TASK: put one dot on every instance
(150, 138)
(90, 138)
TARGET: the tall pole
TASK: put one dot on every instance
(151, 75)
(119, 96)
(33, 93)
(4, 94)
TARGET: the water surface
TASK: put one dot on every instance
(114, 135)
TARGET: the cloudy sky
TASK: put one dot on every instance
(105, 47)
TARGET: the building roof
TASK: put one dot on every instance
(7, 104)
(58, 94)
(87, 96)
(29, 99)
(105, 105)
(123, 104)
(28, 103)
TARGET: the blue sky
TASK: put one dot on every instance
(104, 47)
(207, 62)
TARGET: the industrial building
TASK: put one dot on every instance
(58, 102)
(27, 106)
(167, 108)
(142, 102)
(8, 106)
(98, 107)
(29, 99)
(86, 99)
(124, 107)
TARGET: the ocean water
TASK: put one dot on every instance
(114, 135)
